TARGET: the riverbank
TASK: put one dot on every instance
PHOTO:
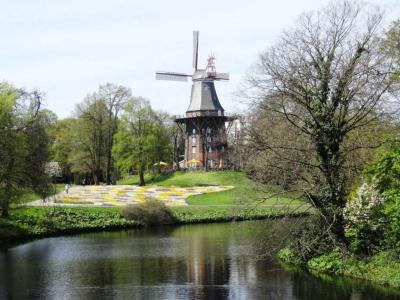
(382, 268)
(32, 222)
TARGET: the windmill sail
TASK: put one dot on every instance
(222, 76)
(172, 76)
(195, 49)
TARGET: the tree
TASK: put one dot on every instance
(326, 77)
(115, 97)
(62, 145)
(95, 129)
(89, 138)
(162, 150)
(138, 142)
(23, 145)
(391, 45)
(38, 153)
(177, 141)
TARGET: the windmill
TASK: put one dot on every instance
(204, 122)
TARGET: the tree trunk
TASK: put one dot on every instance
(4, 208)
(108, 169)
(141, 177)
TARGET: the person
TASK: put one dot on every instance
(66, 188)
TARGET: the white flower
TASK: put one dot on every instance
(53, 169)
(359, 210)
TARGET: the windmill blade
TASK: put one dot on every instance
(172, 76)
(222, 76)
(195, 49)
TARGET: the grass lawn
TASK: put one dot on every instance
(28, 195)
(245, 192)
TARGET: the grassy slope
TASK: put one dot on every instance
(29, 222)
(28, 195)
(245, 191)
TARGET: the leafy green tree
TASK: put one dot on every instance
(141, 139)
(162, 146)
(23, 145)
(93, 132)
(114, 97)
(89, 138)
(61, 134)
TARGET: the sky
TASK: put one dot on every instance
(67, 49)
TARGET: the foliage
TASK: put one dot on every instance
(88, 138)
(62, 145)
(40, 221)
(149, 212)
(200, 214)
(87, 141)
(141, 139)
(324, 80)
(390, 45)
(310, 240)
(382, 268)
(53, 169)
(286, 256)
(23, 144)
(331, 262)
(384, 173)
(365, 221)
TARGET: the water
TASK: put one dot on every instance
(213, 261)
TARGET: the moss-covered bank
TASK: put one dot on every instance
(31, 222)
(382, 268)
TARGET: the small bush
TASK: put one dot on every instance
(150, 212)
(365, 220)
(333, 262)
(310, 240)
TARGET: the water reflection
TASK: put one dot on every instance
(214, 261)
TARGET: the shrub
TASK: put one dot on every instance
(385, 174)
(150, 212)
(310, 240)
(365, 220)
(332, 262)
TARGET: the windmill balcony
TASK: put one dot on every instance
(188, 115)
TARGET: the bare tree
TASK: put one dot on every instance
(326, 78)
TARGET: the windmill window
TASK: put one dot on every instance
(193, 141)
(193, 149)
(194, 131)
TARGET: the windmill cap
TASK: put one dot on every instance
(204, 97)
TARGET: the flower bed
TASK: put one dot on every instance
(121, 195)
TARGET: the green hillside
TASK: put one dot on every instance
(245, 191)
